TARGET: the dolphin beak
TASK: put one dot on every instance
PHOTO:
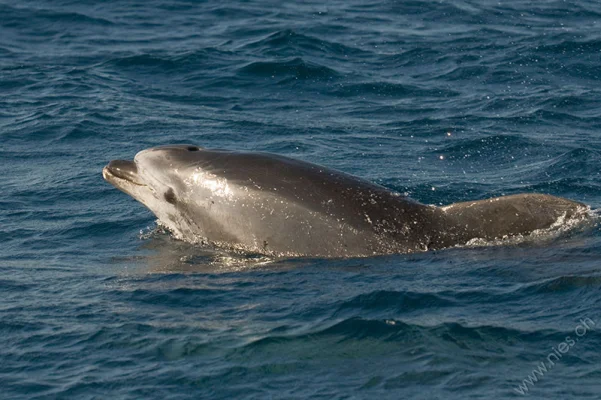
(122, 169)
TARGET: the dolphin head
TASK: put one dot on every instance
(158, 178)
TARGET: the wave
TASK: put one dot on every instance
(466, 72)
(562, 284)
(569, 46)
(387, 330)
(182, 297)
(492, 149)
(182, 62)
(393, 300)
(145, 60)
(288, 43)
(390, 89)
(24, 17)
(571, 174)
(9, 285)
(408, 302)
(6, 52)
(580, 162)
(295, 68)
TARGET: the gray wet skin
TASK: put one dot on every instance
(266, 203)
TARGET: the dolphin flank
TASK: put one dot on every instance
(267, 203)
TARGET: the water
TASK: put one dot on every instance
(447, 101)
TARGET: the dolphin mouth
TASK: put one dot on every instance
(122, 170)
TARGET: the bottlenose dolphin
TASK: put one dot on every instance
(267, 203)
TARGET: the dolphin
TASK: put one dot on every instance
(271, 204)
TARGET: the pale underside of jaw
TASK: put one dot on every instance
(145, 193)
(119, 182)
(138, 190)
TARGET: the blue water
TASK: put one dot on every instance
(444, 100)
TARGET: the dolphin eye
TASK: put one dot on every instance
(170, 196)
(192, 148)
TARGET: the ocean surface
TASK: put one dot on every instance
(443, 100)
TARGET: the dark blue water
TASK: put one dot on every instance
(447, 101)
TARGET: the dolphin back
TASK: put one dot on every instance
(506, 216)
